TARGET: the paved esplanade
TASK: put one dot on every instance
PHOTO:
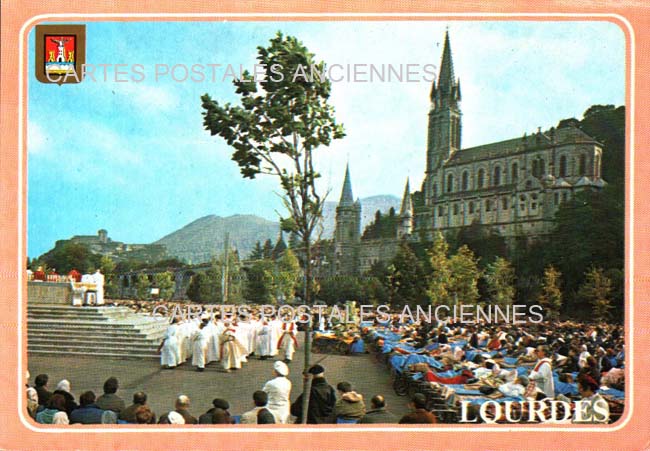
(367, 376)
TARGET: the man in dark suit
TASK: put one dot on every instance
(378, 413)
(89, 413)
(129, 414)
(419, 415)
(322, 399)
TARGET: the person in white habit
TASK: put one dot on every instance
(200, 346)
(264, 341)
(215, 328)
(279, 391)
(542, 373)
(287, 342)
(169, 348)
(99, 283)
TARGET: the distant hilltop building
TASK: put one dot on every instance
(514, 187)
(101, 244)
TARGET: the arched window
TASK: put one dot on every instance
(583, 164)
(542, 167)
(563, 166)
(481, 178)
(514, 176)
(471, 207)
(450, 183)
(535, 168)
(497, 176)
(465, 182)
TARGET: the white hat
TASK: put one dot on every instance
(281, 368)
(175, 418)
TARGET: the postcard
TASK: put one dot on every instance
(285, 226)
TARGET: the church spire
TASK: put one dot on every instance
(346, 194)
(446, 77)
(407, 204)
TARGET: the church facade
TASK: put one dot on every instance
(513, 187)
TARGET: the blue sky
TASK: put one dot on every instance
(133, 158)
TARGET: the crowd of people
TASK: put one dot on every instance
(563, 361)
(270, 405)
(206, 338)
(472, 363)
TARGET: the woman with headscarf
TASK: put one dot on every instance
(63, 389)
(279, 391)
(54, 413)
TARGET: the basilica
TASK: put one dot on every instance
(514, 187)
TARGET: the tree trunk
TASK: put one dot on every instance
(306, 390)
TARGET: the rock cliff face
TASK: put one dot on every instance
(203, 239)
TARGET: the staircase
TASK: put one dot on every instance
(110, 332)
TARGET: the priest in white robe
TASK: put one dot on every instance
(265, 344)
(542, 373)
(287, 343)
(169, 351)
(200, 347)
(232, 351)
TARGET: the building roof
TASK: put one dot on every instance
(346, 193)
(407, 205)
(539, 140)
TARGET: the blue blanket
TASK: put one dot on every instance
(616, 394)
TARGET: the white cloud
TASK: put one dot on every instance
(37, 138)
(147, 97)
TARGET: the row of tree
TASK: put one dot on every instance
(445, 278)
(265, 281)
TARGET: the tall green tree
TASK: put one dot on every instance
(267, 250)
(260, 287)
(142, 287)
(463, 287)
(258, 252)
(288, 270)
(596, 291)
(440, 277)
(500, 278)
(340, 289)
(408, 281)
(550, 296)
(107, 267)
(282, 120)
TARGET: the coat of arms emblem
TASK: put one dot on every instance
(60, 53)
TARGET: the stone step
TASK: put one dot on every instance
(79, 310)
(90, 325)
(81, 347)
(108, 334)
(94, 346)
(55, 338)
(90, 353)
